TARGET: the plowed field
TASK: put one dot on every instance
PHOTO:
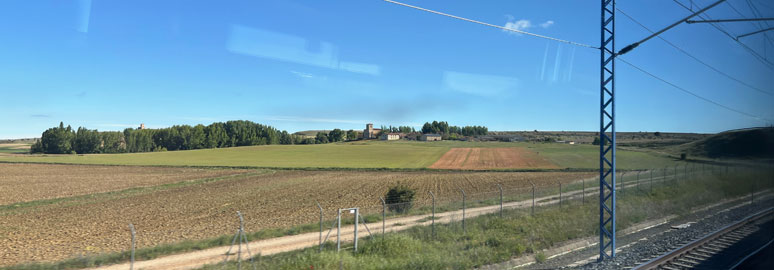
(492, 158)
(30, 182)
(96, 224)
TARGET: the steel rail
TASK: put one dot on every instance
(679, 252)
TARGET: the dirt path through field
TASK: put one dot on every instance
(492, 158)
(193, 260)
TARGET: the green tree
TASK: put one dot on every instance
(336, 135)
(112, 142)
(285, 138)
(321, 137)
(352, 135)
(57, 140)
(87, 141)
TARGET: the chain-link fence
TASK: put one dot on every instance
(451, 213)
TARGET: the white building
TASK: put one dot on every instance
(430, 137)
(390, 136)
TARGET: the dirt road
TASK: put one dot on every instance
(197, 259)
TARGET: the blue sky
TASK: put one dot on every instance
(300, 65)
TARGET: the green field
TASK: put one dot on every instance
(371, 154)
(16, 148)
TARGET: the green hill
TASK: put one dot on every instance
(746, 143)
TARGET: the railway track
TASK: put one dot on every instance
(726, 246)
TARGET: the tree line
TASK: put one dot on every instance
(443, 128)
(65, 140)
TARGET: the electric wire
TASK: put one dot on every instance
(757, 13)
(759, 24)
(695, 58)
(760, 58)
(492, 25)
(692, 93)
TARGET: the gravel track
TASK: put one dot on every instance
(642, 246)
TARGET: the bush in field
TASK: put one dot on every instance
(400, 198)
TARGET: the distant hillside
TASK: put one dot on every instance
(747, 143)
(310, 132)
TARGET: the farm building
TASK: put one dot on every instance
(431, 137)
(390, 136)
(370, 132)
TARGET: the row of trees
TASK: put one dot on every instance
(337, 135)
(65, 140)
(444, 128)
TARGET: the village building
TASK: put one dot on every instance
(430, 137)
(370, 132)
(390, 136)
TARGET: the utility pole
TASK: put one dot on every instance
(607, 133)
(607, 121)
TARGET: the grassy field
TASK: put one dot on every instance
(371, 154)
(15, 148)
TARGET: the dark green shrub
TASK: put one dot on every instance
(400, 198)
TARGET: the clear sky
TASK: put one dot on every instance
(300, 65)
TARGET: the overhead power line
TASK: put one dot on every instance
(696, 58)
(692, 93)
(753, 33)
(760, 58)
(634, 45)
(730, 20)
(757, 13)
(492, 25)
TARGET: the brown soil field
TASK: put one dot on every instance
(492, 158)
(31, 182)
(271, 199)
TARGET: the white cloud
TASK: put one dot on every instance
(360, 68)
(84, 14)
(302, 74)
(519, 25)
(479, 84)
(278, 46)
(547, 24)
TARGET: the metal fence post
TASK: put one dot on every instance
(338, 232)
(623, 184)
(239, 248)
(131, 261)
(357, 224)
(651, 180)
(384, 215)
(533, 197)
(321, 223)
(637, 182)
(433, 216)
(675, 173)
(583, 191)
(463, 210)
(560, 194)
(501, 199)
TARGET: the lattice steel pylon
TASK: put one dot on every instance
(607, 133)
